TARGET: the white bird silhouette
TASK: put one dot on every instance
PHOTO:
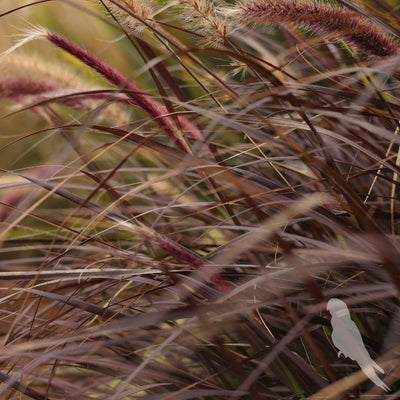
(347, 338)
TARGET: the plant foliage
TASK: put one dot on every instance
(184, 186)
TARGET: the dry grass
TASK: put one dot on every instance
(183, 191)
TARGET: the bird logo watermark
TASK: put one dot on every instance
(347, 338)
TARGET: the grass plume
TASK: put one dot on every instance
(143, 9)
(204, 18)
(324, 19)
(173, 230)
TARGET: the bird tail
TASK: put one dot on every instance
(370, 372)
(376, 366)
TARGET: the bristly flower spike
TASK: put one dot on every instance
(142, 8)
(318, 17)
(204, 17)
(137, 97)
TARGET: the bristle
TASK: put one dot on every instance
(27, 35)
(48, 80)
(320, 18)
(131, 13)
(204, 18)
(136, 96)
(136, 263)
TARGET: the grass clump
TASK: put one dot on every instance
(182, 193)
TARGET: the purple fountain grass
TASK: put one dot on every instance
(137, 97)
(20, 89)
(184, 255)
(202, 15)
(10, 199)
(180, 253)
(157, 112)
(144, 9)
(33, 91)
(320, 18)
(145, 267)
(15, 87)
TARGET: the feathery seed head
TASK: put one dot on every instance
(131, 13)
(319, 18)
(205, 18)
(48, 80)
